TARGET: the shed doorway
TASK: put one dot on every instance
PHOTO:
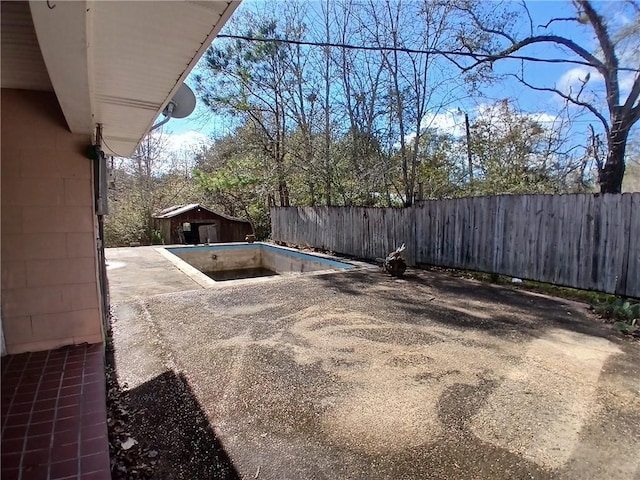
(195, 233)
(208, 233)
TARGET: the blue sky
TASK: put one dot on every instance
(543, 104)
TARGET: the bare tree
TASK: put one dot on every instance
(301, 101)
(413, 79)
(491, 39)
(150, 180)
(360, 81)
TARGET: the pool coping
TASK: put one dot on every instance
(206, 282)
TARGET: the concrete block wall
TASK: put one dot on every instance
(50, 291)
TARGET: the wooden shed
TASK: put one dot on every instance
(193, 224)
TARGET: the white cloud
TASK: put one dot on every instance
(496, 115)
(452, 121)
(546, 119)
(185, 142)
(621, 18)
(571, 81)
(449, 121)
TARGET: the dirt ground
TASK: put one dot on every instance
(356, 375)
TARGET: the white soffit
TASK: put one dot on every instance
(62, 35)
(22, 63)
(119, 63)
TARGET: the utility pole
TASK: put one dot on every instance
(466, 124)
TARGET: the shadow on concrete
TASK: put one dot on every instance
(498, 310)
(167, 418)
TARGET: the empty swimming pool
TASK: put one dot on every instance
(233, 261)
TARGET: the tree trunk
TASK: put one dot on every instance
(283, 192)
(327, 112)
(611, 175)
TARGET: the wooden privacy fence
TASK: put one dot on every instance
(583, 241)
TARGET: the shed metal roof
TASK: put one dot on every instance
(176, 210)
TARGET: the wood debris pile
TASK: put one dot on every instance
(395, 264)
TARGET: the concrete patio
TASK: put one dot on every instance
(359, 375)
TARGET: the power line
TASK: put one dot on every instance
(429, 51)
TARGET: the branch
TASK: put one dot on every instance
(583, 83)
(570, 44)
(568, 98)
(635, 6)
(610, 74)
(633, 95)
(482, 26)
(596, 145)
(601, 32)
(448, 57)
(563, 19)
(526, 9)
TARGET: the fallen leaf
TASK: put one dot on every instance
(128, 443)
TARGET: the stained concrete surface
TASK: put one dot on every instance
(143, 271)
(357, 375)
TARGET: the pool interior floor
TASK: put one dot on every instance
(222, 275)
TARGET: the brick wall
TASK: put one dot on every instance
(50, 293)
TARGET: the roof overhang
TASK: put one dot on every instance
(118, 64)
(177, 210)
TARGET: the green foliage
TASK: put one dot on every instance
(439, 172)
(233, 174)
(625, 312)
(156, 238)
(618, 309)
(360, 168)
(628, 328)
(260, 219)
(514, 154)
(125, 223)
(151, 180)
(247, 80)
